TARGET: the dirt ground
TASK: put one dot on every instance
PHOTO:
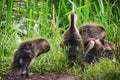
(49, 76)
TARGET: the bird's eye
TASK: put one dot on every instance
(77, 38)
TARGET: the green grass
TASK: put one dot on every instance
(46, 17)
(104, 70)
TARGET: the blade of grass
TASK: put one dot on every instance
(9, 12)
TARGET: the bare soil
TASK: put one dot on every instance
(50, 76)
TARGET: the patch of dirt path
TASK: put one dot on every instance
(52, 76)
(49, 76)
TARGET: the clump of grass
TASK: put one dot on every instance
(103, 70)
(8, 40)
(46, 62)
(8, 43)
(4, 65)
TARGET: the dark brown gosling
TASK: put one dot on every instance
(25, 54)
(71, 40)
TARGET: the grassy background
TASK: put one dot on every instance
(23, 19)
